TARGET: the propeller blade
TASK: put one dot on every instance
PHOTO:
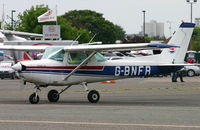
(14, 56)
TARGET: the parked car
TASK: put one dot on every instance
(116, 55)
(115, 58)
(110, 55)
(6, 71)
(192, 70)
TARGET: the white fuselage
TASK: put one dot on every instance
(51, 72)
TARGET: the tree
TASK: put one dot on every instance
(120, 32)
(28, 22)
(96, 24)
(136, 39)
(196, 39)
(159, 38)
(71, 33)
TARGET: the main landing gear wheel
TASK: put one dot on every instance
(93, 96)
(34, 98)
(53, 96)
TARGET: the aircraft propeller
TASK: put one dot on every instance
(18, 67)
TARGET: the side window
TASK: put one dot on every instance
(76, 57)
(99, 57)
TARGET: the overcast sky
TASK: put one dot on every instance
(126, 13)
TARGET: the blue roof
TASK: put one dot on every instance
(187, 25)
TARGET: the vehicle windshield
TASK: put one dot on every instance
(54, 53)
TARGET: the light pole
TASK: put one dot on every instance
(12, 11)
(191, 2)
(144, 23)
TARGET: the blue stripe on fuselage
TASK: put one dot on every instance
(113, 71)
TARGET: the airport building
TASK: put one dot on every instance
(154, 28)
(197, 22)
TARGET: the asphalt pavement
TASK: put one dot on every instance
(144, 104)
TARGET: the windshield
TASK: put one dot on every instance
(54, 53)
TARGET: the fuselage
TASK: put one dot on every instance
(51, 72)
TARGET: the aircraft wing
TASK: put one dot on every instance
(135, 46)
(92, 47)
(22, 34)
(23, 48)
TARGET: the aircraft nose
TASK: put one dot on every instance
(19, 67)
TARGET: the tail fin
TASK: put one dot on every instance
(181, 38)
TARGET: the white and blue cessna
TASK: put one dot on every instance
(83, 64)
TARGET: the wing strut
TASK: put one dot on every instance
(82, 63)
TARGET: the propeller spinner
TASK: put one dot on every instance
(19, 67)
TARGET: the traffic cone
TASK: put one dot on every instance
(108, 82)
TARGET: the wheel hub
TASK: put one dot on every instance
(55, 96)
(94, 97)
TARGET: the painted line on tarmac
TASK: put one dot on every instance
(99, 123)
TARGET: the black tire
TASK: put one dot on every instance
(93, 96)
(190, 73)
(53, 96)
(33, 99)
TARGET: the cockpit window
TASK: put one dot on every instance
(54, 53)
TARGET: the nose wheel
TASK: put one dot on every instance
(34, 98)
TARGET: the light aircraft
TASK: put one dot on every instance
(83, 64)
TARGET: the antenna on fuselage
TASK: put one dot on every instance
(76, 39)
(92, 38)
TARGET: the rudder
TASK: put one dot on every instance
(181, 38)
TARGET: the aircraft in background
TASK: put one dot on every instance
(83, 64)
(8, 35)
